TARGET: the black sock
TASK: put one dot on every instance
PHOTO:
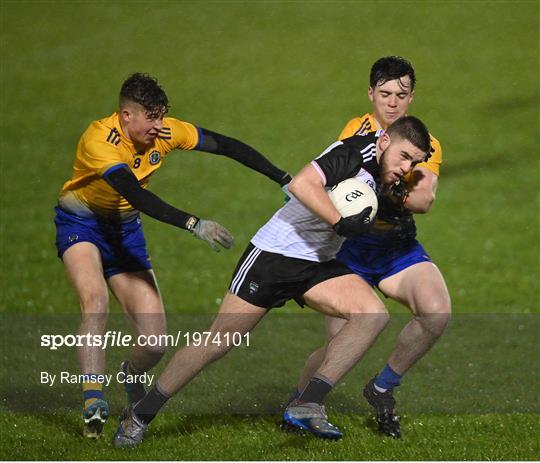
(150, 404)
(135, 389)
(317, 389)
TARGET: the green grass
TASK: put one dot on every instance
(177, 437)
(285, 77)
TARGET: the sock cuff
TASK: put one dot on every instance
(132, 370)
(324, 378)
(89, 382)
(391, 370)
(160, 391)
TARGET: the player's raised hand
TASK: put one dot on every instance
(354, 225)
(213, 233)
(396, 193)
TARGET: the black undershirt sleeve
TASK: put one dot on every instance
(125, 182)
(340, 163)
(212, 142)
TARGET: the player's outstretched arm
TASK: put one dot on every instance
(123, 181)
(212, 142)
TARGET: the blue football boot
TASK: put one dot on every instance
(311, 417)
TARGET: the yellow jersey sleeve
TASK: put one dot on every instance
(177, 134)
(435, 160)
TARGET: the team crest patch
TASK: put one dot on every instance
(253, 287)
(155, 157)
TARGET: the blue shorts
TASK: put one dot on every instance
(375, 259)
(122, 245)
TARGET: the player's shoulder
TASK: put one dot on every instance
(172, 122)
(103, 130)
(435, 143)
(176, 133)
(361, 142)
(359, 125)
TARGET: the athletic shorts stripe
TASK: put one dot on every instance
(266, 279)
(244, 268)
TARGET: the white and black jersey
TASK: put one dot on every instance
(294, 231)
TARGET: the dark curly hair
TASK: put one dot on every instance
(391, 68)
(145, 90)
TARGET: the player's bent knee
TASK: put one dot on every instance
(95, 303)
(95, 313)
(156, 351)
(435, 323)
(377, 317)
(374, 307)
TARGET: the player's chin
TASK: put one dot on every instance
(391, 178)
(391, 118)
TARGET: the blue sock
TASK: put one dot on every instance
(388, 378)
(92, 390)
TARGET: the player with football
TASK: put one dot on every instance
(389, 257)
(293, 257)
(99, 234)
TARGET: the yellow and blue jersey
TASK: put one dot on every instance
(367, 123)
(101, 147)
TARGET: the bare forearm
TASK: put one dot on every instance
(422, 194)
(310, 192)
(420, 201)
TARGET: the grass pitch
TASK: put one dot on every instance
(284, 77)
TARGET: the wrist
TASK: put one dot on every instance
(285, 179)
(337, 227)
(191, 223)
(405, 197)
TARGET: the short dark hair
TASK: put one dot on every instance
(414, 130)
(391, 68)
(145, 90)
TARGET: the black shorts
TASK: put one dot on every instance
(267, 279)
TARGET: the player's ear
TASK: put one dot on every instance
(125, 114)
(383, 142)
(411, 96)
(370, 93)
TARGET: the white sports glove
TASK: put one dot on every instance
(213, 233)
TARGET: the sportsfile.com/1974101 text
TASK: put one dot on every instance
(119, 339)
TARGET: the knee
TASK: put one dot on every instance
(94, 303)
(155, 351)
(375, 315)
(435, 322)
(94, 309)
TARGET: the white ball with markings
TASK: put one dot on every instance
(352, 196)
